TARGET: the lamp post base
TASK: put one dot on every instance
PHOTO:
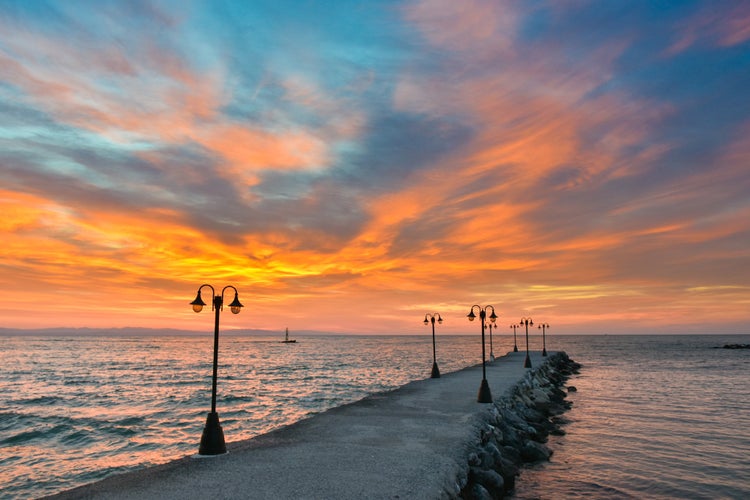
(515, 348)
(527, 363)
(435, 371)
(484, 396)
(544, 352)
(212, 440)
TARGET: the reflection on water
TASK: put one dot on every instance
(75, 409)
(653, 417)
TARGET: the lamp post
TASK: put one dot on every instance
(515, 344)
(484, 396)
(492, 354)
(544, 327)
(212, 440)
(527, 322)
(435, 370)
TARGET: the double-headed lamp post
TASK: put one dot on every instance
(527, 322)
(435, 370)
(515, 344)
(484, 396)
(212, 440)
(544, 327)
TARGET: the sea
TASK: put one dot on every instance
(652, 416)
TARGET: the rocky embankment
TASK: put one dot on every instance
(517, 428)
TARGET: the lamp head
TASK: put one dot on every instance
(493, 316)
(198, 303)
(440, 320)
(471, 315)
(235, 306)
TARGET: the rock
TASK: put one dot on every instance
(510, 436)
(462, 480)
(539, 396)
(525, 400)
(533, 416)
(556, 430)
(497, 435)
(511, 453)
(560, 420)
(511, 418)
(493, 452)
(540, 432)
(509, 471)
(535, 452)
(556, 395)
(486, 460)
(572, 388)
(515, 428)
(490, 480)
(485, 434)
(736, 346)
(479, 492)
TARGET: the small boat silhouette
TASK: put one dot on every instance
(286, 339)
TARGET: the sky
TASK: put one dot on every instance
(350, 166)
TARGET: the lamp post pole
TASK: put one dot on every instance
(484, 396)
(544, 327)
(435, 370)
(515, 344)
(492, 354)
(527, 322)
(212, 439)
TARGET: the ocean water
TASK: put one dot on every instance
(76, 409)
(653, 417)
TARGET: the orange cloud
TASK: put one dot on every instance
(248, 151)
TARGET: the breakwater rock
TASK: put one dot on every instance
(516, 428)
(736, 346)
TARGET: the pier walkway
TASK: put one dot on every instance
(408, 443)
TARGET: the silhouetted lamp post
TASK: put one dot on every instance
(435, 371)
(484, 396)
(492, 354)
(515, 344)
(212, 440)
(527, 322)
(544, 327)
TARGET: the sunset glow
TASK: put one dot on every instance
(350, 166)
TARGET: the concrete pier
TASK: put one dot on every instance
(412, 442)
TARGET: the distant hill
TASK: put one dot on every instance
(124, 332)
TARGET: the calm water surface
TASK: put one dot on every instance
(662, 417)
(654, 417)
